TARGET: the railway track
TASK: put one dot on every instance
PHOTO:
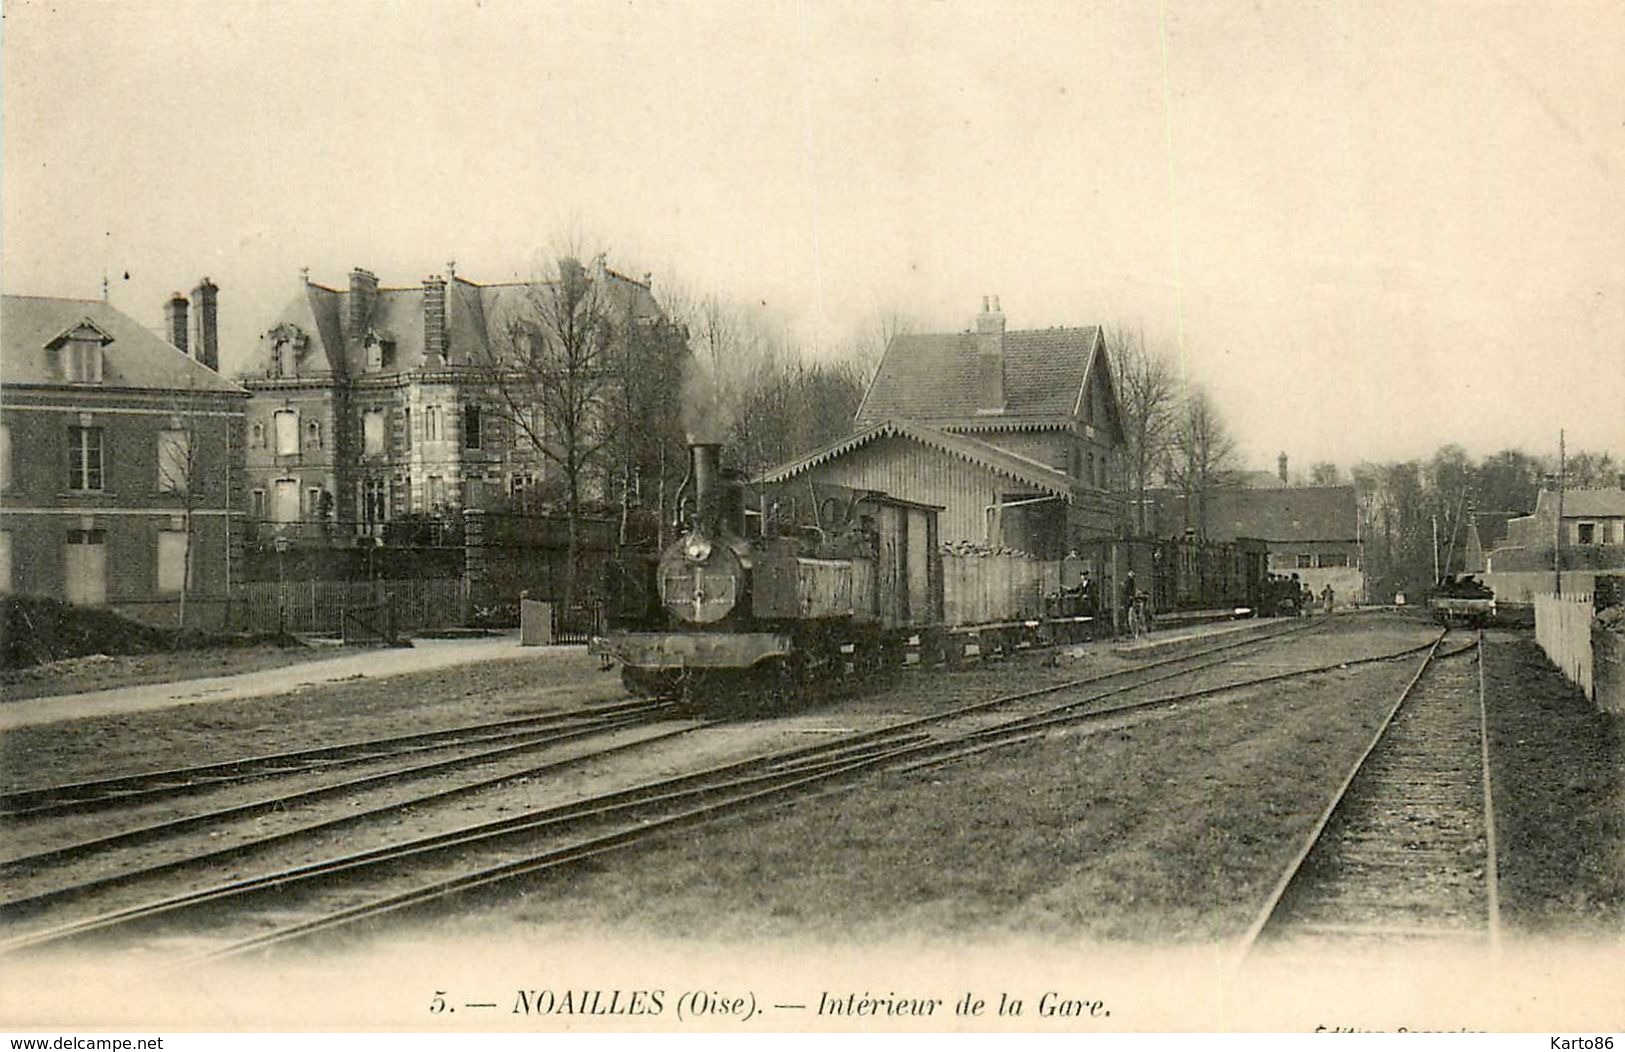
(141, 787)
(32, 878)
(298, 902)
(1404, 854)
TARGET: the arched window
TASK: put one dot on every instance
(313, 434)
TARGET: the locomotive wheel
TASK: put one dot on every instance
(647, 684)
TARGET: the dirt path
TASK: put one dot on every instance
(425, 655)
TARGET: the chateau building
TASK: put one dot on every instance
(372, 402)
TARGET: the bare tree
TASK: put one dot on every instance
(549, 371)
(1587, 469)
(179, 477)
(1202, 456)
(1324, 473)
(1148, 400)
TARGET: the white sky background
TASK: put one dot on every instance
(1375, 228)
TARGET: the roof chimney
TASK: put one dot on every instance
(434, 319)
(990, 355)
(1280, 467)
(206, 327)
(175, 320)
(363, 291)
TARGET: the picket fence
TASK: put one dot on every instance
(1563, 630)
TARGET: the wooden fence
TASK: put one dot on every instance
(1563, 630)
(321, 606)
(1526, 586)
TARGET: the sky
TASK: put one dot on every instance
(1368, 229)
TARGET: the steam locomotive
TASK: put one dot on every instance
(775, 589)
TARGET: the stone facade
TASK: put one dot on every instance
(385, 389)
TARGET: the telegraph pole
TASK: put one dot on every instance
(1557, 543)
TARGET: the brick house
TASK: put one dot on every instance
(369, 405)
(1015, 433)
(122, 459)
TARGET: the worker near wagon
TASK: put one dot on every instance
(1327, 598)
(1086, 594)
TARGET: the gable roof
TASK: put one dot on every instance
(1582, 503)
(972, 450)
(134, 357)
(1297, 513)
(937, 378)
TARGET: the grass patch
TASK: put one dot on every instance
(1559, 796)
(1172, 830)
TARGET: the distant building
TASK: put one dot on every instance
(1593, 532)
(121, 458)
(1312, 531)
(369, 404)
(1015, 433)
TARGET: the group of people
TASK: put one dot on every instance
(1287, 596)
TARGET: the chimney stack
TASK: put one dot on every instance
(434, 319)
(363, 291)
(175, 320)
(990, 354)
(206, 332)
(1280, 467)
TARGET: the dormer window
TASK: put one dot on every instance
(79, 352)
(288, 345)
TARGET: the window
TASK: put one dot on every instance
(5, 456)
(471, 426)
(82, 362)
(5, 562)
(287, 432)
(256, 435)
(84, 564)
(174, 461)
(313, 503)
(172, 545)
(1586, 533)
(522, 484)
(375, 500)
(436, 491)
(285, 502)
(372, 433)
(313, 434)
(406, 426)
(1328, 559)
(85, 458)
(386, 353)
(257, 504)
(1306, 561)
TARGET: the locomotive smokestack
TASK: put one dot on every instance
(705, 464)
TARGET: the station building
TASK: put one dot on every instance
(1015, 434)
